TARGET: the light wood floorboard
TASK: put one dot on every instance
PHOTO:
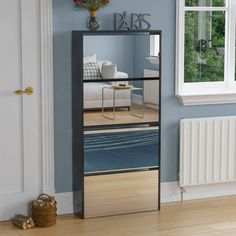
(122, 116)
(209, 217)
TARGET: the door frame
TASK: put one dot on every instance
(46, 59)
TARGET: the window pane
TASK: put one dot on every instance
(154, 45)
(204, 46)
(205, 3)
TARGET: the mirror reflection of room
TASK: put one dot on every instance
(121, 56)
(109, 100)
(121, 149)
(107, 103)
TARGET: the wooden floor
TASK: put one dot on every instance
(196, 218)
(122, 116)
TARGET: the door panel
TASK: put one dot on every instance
(20, 135)
(11, 106)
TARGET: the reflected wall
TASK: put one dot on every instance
(130, 53)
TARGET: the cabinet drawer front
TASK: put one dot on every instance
(121, 193)
(121, 149)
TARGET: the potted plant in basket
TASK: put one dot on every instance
(92, 6)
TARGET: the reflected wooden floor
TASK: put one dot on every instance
(210, 217)
(122, 116)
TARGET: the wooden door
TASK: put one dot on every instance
(20, 116)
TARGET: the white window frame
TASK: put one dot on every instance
(154, 45)
(199, 93)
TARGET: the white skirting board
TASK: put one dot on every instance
(137, 99)
(170, 192)
(64, 203)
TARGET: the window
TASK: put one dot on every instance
(154, 49)
(154, 45)
(205, 60)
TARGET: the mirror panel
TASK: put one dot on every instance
(121, 150)
(121, 102)
(120, 56)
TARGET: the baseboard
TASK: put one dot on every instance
(64, 203)
(170, 192)
(209, 191)
(138, 99)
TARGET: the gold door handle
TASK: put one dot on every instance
(28, 91)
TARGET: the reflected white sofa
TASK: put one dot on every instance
(93, 94)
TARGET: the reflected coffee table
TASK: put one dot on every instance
(115, 89)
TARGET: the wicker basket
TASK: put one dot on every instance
(44, 214)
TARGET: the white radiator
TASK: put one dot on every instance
(207, 151)
(151, 88)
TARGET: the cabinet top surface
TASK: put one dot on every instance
(115, 32)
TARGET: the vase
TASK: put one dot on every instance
(93, 23)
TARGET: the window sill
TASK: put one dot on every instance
(153, 60)
(207, 99)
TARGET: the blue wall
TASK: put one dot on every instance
(141, 51)
(117, 49)
(128, 52)
(163, 18)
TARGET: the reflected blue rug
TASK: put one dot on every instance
(121, 150)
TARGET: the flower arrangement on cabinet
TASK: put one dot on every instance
(92, 6)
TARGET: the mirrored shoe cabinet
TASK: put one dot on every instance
(116, 99)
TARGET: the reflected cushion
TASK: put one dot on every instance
(108, 70)
(91, 71)
(100, 63)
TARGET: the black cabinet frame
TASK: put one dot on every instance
(78, 111)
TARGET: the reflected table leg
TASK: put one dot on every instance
(113, 104)
(141, 116)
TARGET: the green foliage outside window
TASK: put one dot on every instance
(214, 3)
(204, 51)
